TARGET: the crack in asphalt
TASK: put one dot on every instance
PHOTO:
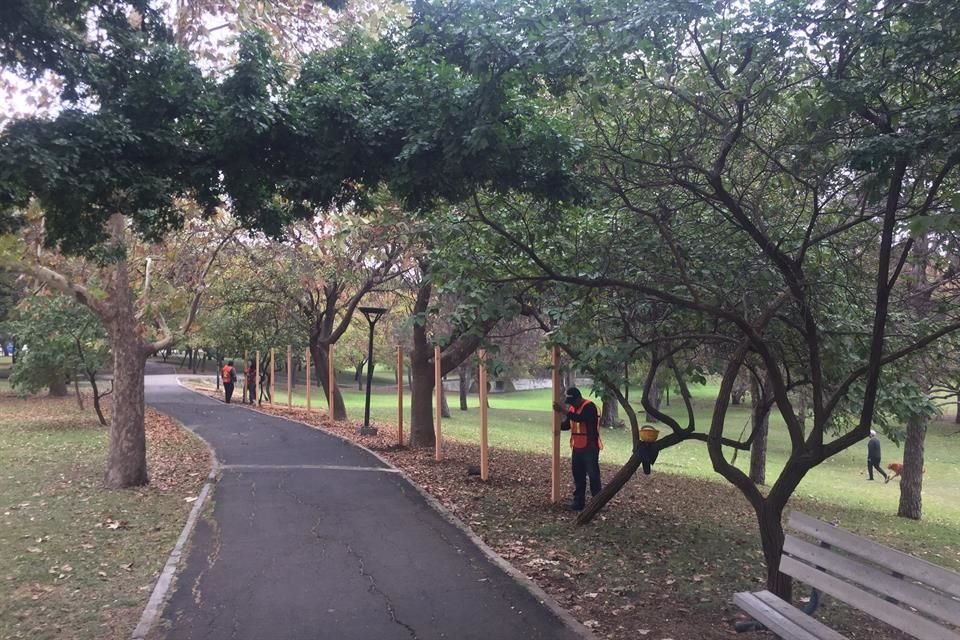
(373, 588)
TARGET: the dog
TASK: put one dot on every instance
(897, 468)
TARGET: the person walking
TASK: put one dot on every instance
(228, 375)
(265, 386)
(582, 421)
(250, 375)
(873, 456)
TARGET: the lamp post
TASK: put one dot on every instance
(372, 314)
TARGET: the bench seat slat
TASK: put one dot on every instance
(902, 563)
(898, 617)
(874, 579)
(778, 622)
(808, 622)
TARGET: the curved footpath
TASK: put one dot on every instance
(311, 537)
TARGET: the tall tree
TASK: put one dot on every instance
(755, 169)
(118, 159)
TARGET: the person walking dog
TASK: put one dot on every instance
(583, 422)
(873, 456)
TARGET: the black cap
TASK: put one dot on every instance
(573, 394)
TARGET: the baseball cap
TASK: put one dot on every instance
(573, 394)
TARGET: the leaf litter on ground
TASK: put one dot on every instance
(662, 560)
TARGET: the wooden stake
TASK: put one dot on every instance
(246, 385)
(331, 382)
(307, 368)
(557, 396)
(273, 372)
(484, 454)
(289, 376)
(399, 395)
(256, 380)
(438, 390)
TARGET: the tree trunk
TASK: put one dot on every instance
(58, 384)
(654, 398)
(76, 389)
(358, 374)
(92, 377)
(444, 405)
(610, 415)
(610, 489)
(956, 418)
(421, 404)
(760, 417)
(911, 481)
(319, 351)
(466, 381)
(127, 459)
(770, 520)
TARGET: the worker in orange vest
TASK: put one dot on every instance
(583, 422)
(229, 377)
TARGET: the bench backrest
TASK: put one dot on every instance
(875, 579)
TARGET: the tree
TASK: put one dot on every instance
(64, 340)
(121, 157)
(754, 173)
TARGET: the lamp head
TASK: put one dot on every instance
(372, 314)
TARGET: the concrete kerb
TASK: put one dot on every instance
(165, 580)
(542, 596)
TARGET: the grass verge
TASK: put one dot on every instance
(77, 560)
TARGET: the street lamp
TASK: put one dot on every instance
(372, 314)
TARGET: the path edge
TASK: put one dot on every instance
(158, 597)
(519, 577)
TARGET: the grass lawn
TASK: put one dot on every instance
(521, 420)
(77, 560)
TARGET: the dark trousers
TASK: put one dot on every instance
(252, 392)
(227, 391)
(874, 463)
(585, 463)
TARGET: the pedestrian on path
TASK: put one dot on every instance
(250, 376)
(873, 456)
(265, 386)
(582, 421)
(229, 377)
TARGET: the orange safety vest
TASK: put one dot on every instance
(227, 374)
(578, 430)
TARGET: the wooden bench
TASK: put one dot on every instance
(912, 595)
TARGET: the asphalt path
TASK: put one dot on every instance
(311, 537)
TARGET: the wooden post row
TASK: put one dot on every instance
(484, 453)
(399, 396)
(331, 383)
(289, 376)
(558, 395)
(306, 366)
(273, 371)
(438, 389)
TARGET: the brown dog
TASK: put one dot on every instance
(897, 468)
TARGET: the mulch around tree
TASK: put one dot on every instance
(661, 561)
